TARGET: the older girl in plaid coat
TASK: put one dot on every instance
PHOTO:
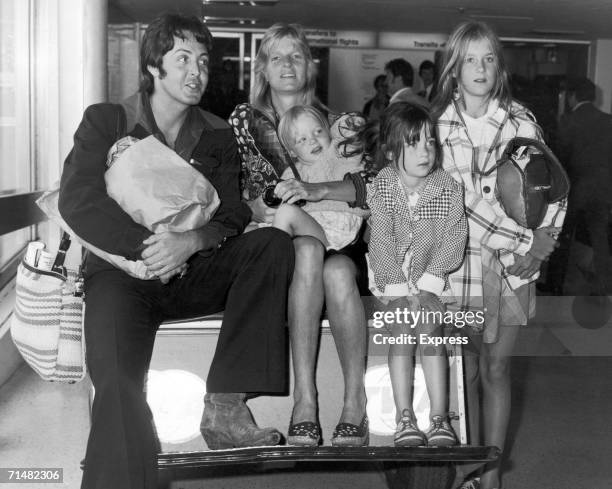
(476, 117)
(418, 236)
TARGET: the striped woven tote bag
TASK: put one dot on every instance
(47, 322)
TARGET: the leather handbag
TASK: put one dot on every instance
(529, 178)
(47, 322)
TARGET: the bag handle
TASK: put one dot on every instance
(58, 264)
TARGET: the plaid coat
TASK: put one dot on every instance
(434, 232)
(493, 236)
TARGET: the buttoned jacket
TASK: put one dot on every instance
(434, 231)
(492, 234)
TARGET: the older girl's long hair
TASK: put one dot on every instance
(260, 92)
(454, 57)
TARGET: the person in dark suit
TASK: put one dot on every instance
(209, 269)
(585, 148)
(374, 107)
(427, 72)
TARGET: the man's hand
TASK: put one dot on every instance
(293, 190)
(430, 302)
(165, 278)
(524, 266)
(261, 212)
(166, 252)
(544, 242)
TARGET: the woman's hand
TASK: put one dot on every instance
(544, 242)
(430, 302)
(524, 266)
(166, 252)
(293, 190)
(261, 212)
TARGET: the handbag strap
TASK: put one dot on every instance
(58, 264)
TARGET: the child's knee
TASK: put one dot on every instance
(496, 370)
(285, 215)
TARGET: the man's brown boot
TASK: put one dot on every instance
(228, 423)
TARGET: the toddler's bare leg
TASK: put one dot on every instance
(297, 222)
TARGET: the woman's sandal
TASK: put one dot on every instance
(304, 434)
(351, 435)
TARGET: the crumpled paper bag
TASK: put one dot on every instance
(157, 187)
(48, 202)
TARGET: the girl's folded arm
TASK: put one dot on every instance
(388, 273)
(449, 255)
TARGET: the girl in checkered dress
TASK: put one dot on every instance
(418, 236)
(475, 118)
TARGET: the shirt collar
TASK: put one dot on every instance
(138, 106)
(580, 104)
(399, 93)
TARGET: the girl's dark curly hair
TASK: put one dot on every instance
(400, 123)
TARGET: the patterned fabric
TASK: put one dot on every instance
(47, 323)
(262, 156)
(118, 148)
(434, 232)
(493, 236)
(504, 306)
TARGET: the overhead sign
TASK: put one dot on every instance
(341, 39)
(401, 40)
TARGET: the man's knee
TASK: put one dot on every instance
(269, 240)
(268, 249)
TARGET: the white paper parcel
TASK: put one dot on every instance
(157, 188)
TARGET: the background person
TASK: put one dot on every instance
(245, 274)
(374, 107)
(427, 73)
(585, 148)
(400, 77)
(476, 117)
(284, 77)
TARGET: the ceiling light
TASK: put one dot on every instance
(556, 32)
(523, 18)
(229, 20)
(242, 3)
